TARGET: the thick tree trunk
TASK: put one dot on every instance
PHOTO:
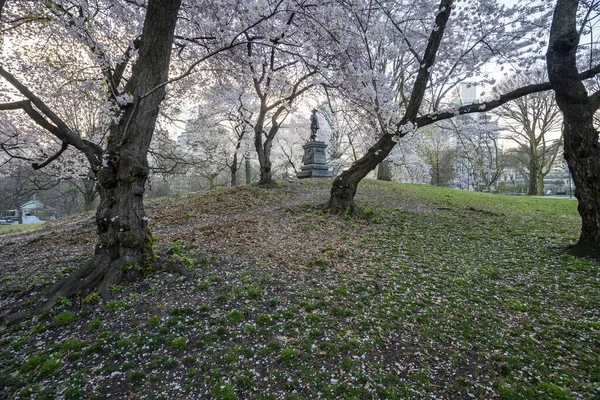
(343, 190)
(125, 243)
(264, 160)
(263, 150)
(533, 173)
(582, 149)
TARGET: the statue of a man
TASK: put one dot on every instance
(314, 125)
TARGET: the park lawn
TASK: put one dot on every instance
(19, 227)
(430, 293)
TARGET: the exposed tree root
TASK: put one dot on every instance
(100, 273)
(340, 207)
(584, 249)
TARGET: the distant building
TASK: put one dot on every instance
(467, 93)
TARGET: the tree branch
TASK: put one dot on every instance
(52, 158)
(59, 128)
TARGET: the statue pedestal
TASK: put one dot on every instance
(314, 162)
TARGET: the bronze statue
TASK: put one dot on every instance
(314, 125)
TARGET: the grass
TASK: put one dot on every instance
(20, 227)
(448, 294)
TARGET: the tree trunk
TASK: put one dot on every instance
(582, 149)
(383, 171)
(263, 151)
(89, 193)
(248, 168)
(533, 174)
(540, 184)
(343, 190)
(233, 177)
(19, 214)
(125, 242)
(234, 168)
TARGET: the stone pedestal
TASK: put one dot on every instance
(314, 162)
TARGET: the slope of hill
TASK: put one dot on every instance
(430, 293)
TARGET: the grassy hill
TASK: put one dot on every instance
(431, 293)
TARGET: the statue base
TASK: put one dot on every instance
(314, 162)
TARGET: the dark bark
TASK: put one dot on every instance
(533, 173)
(125, 243)
(233, 169)
(262, 150)
(582, 149)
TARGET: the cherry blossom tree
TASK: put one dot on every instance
(438, 151)
(399, 92)
(223, 123)
(125, 242)
(282, 60)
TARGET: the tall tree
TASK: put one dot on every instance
(581, 144)
(125, 242)
(478, 143)
(531, 120)
(438, 152)
(415, 82)
(345, 185)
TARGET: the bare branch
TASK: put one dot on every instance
(52, 158)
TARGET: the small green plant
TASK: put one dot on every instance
(287, 355)
(248, 329)
(235, 316)
(92, 298)
(314, 317)
(50, 367)
(64, 301)
(202, 286)
(223, 391)
(115, 305)
(264, 319)
(64, 318)
(96, 324)
(254, 291)
(176, 252)
(177, 248)
(114, 289)
(33, 362)
(215, 279)
(179, 343)
(136, 375)
(154, 320)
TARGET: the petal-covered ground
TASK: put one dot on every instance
(430, 293)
